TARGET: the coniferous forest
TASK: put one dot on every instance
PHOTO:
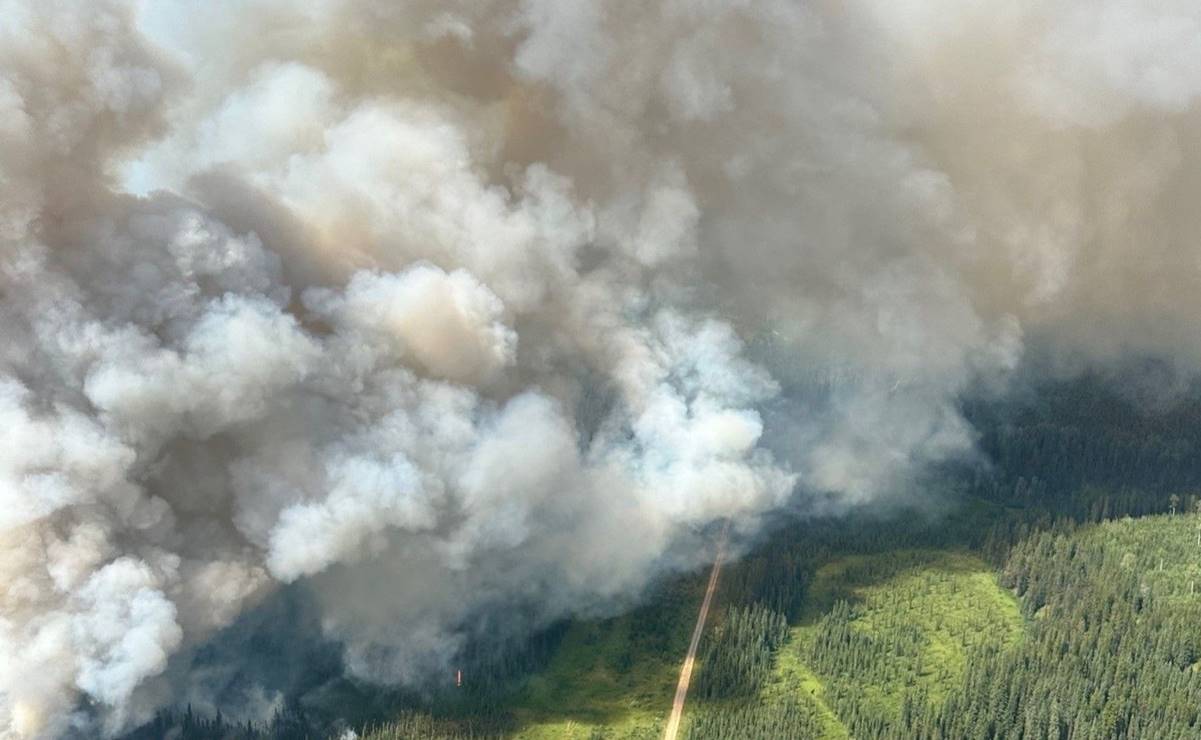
(1058, 595)
(600, 369)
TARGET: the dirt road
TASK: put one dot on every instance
(677, 706)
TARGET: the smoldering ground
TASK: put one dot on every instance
(446, 308)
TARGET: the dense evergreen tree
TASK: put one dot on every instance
(788, 718)
(1112, 645)
(739, 652)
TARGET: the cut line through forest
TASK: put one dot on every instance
(677, 705)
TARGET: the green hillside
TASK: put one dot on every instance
(1081, 632)
(612, 678)
(913, 643)
(874, 629)
(1048, 594)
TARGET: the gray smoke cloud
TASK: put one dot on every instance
(448, 307)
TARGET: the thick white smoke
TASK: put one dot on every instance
(457, 306)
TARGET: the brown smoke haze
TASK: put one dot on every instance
(448, 307)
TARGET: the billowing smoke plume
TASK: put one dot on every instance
(449, 307)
